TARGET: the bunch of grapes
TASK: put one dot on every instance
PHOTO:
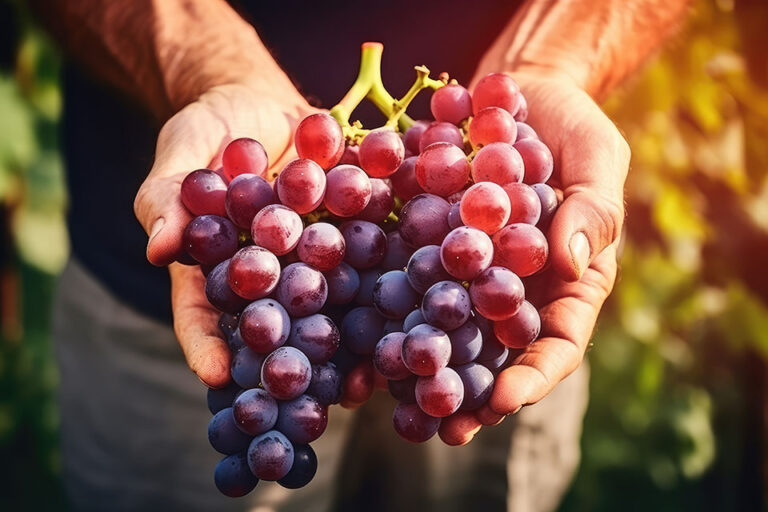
(375, 259)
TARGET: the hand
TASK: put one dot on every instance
(194, 138)
(591, 164)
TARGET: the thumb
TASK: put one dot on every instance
(159, 209)
(585, 223)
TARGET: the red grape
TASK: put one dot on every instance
(522, 248)
(203, 191)
(466, 252)
(286, 373)
(351, 156)
(388, 358)
(348, 191)
(497, 162)
(497, 293)
(492, 124)
(522, 109)
(451, 103)
(302, 419)
(441, 132)
(255, 411)
(496, 90)
(526, 206)
(358, 384)
(264, 326)
(301, 185)
(441, 394)
(321, 246)
(442, 169)
(537, 159)
(485, 206)
(381, 152)
(277, 228)
(253, 272)
(244, 156)
(404, 180)
(320, 139)
(246, 196)
(521, 329)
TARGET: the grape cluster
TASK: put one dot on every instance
(383, 260)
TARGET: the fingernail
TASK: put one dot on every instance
(517, 410)
(156, 227)
(579, 247)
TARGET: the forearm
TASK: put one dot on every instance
(165, 52)
(596, 43)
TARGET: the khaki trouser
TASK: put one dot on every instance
(134, 423)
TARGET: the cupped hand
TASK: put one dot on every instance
(194, 138)
(591, 164)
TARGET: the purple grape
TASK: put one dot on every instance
(478, 385)
(203, 192)
(368, 280)
(361, 329)
(413, 134)
(343, 283)
(441, 394)
(403, 390)
(219, 399)
(425, 268)
(393, 296)
(413, 319)
(302, 419)
(366, 243)
(424, 220)
(246, 196)
(393, 326)
(441, 132)
(286, 373)
(548, 199)
(224, 435)
(426, 349)
(255, 411)
(246, 368)
(228, 323)
(381, 204)
(524, 131)
(265, 325)
(325, 384)
(210, 239)
(454, 216)
(446, 305)
(344, 359)
(466, 343)
(315, 335)
(270, 456)
(388, 358)
(303, 469)
(413, 424)
(404, 181)
(219, 293)
(233, 477)
(398, 253)
(301, 290)
(235, 341)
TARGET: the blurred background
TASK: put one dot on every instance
(679, 390)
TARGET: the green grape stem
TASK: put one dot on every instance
(368, 85)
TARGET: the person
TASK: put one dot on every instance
(133, 421)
